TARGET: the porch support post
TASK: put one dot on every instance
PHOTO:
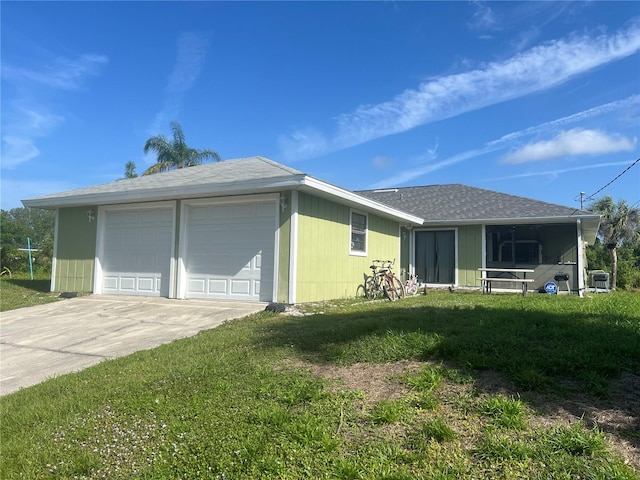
(581, 264)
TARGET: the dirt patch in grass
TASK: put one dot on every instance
(618, 416)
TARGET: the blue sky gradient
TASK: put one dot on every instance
(535, 99)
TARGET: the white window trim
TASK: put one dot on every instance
(359, 253)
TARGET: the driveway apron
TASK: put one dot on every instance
(40, 342)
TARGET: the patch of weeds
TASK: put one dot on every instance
(531, 379)
(505, 412)
(109, 444)
(426, 379)
(432, 429)
(576, 440)
(272, 415)
(425, 401)
(388, 411)
(502, 447)
(346, 469)
(596, 385)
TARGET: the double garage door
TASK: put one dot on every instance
(225, 250)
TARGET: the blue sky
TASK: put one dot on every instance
(534, 99)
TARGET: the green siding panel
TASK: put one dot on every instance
(325, 268)
(469, 255)
(76, 249)
(284, 249)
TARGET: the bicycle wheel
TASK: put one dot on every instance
(387, 288)
(397, 287)
(370, 288)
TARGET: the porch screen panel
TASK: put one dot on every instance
(435, 256)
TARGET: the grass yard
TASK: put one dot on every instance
(24, 292)
(447, 385)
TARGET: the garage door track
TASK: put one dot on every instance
(40, 342)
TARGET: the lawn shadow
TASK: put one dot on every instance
(564, 363)
(37, 285)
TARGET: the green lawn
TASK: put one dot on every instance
(433, 387)
(23, 292)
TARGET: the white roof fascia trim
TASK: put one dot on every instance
(359, 200)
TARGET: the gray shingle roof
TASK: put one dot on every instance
(456, 202)
(232, 177)
(210, 176)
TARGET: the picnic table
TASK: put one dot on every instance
(506, 275)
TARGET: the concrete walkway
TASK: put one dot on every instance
(40, 342)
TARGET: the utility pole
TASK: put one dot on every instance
(581, 200)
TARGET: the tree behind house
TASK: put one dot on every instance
(619, 227)
(175, 154)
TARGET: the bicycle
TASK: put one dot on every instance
(411, 288)
(383, 282)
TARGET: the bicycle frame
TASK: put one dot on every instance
(383, 281)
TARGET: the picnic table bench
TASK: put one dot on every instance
(514, 277)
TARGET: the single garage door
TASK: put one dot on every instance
(136, 254)
(230, 251)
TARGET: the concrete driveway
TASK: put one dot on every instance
(40, 342)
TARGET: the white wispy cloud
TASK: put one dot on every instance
(426, 167)
(191, 54)
(23, 127)
(62, 73)
(26, 121)
(534, 70)
(555, 172)
(576, 141)
(483, 16)
(629, 103)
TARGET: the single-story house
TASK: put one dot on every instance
(467, 228)
(253, 229)
(246, 229)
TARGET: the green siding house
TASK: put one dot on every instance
(254, 230)
(248, 229)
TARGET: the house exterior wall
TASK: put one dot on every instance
(324, 267)
(469, 255)
(284, 249)
(75, 251)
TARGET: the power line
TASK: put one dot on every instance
(616, 178)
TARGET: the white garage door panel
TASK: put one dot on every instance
(136, 259)
(230, 251)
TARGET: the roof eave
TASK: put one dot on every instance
(167, 193)
(590, 223)
(358, 201)
(290, 182)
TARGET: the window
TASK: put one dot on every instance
(358, 234)
(510, 245)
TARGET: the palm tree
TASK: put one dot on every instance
(619, 225)
(176, 153)
(130, 170)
